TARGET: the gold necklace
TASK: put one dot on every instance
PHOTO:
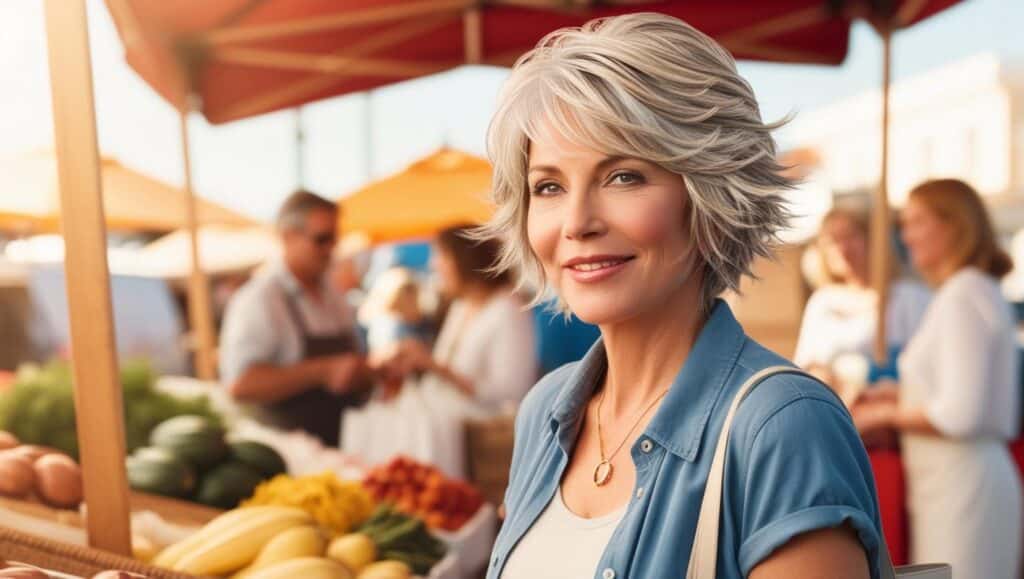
(604, 470)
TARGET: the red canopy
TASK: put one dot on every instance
(247, 57)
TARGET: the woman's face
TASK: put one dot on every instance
(928, 237)
(407, 304)
(610, 232)
(844, 248)
(447, 273)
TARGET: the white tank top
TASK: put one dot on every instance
(561, 544)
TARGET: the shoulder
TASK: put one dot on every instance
(972, 294)
(262, 285)
(966, 283)
(794, 403)
(254, 296)
(508, 308)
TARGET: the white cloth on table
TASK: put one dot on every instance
(838, 320)
(963, 488)
(494, 348)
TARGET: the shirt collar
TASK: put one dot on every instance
(681, 420)
(290, 282)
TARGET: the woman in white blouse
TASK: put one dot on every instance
(483, 363)
(958, 399)
(485, 351)
(840, 316)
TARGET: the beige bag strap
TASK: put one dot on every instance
(704, 555)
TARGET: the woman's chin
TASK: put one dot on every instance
(601, 312)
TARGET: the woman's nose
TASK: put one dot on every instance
(583, 217)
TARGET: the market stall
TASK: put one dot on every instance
(132, 202)
(199, 49)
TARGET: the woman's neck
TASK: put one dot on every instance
(941, 274)
(477, 296)
(646, 352)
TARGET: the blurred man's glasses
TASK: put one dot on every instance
(326, 239)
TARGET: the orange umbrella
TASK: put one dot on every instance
(447, 188)
(132, 201)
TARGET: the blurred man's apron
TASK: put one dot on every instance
(317, 410)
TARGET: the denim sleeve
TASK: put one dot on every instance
(806, 470)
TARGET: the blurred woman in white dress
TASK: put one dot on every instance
(840, 317)
(958, 401)
(482, 364)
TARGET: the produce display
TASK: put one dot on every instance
(28, 470)
(191, 459)
(338, 506)
(39, 408)
(395, 536)
(283, 542)
(422, 490)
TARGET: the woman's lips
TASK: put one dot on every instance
(593, 270)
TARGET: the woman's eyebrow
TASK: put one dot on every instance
(601, 165)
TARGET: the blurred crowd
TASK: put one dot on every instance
(387, 361)
(398, 362)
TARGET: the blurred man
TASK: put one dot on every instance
(289, 344)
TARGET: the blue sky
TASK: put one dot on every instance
(251, 165)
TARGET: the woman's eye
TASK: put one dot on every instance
(546, 188)
(626, 178)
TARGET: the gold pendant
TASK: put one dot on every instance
(603, 473)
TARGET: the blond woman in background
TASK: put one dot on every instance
(958, 401)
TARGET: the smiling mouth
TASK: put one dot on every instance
(594, 266)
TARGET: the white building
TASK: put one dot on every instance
(963, 120)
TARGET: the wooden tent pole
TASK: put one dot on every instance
(881, 245)
(199, 306)
(99, 409)
(473, 35)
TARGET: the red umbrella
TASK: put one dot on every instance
(232, 59)
(247, 57)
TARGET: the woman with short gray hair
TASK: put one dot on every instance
(635, 181)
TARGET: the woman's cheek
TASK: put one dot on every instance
(649, 223)
(542, 232)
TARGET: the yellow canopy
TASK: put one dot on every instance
(444, 189)
(30, 198)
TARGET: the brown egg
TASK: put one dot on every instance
(16, 475)
(34, 452)
(59, 480)
(8, 440)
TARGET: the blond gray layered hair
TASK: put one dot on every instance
(650, 87)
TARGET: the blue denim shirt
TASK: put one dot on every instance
(795, 462)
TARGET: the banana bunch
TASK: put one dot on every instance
(232, 540)
(336, 505)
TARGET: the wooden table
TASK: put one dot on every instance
(171, 510)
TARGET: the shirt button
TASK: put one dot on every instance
(646, 446)
(640, 493)
(608, 574)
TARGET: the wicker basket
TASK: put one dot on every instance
(71, 559)
(489, 450)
